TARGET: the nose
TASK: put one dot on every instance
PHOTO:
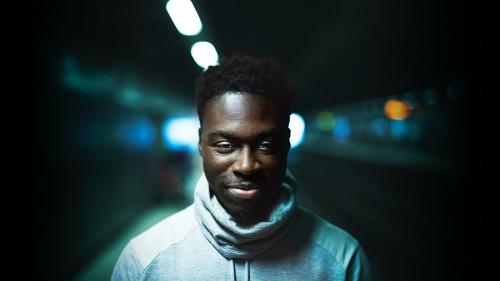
(247, 163)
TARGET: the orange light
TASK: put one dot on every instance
(397, 109)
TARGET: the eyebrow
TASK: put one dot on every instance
(228, 135)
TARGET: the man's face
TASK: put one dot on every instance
(244, 145)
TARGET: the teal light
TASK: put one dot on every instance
(297, 127)
(130, 96)
(94, 85)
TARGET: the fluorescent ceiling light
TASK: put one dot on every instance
(184, 16)
(204, 54)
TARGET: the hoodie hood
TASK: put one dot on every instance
(234, 241)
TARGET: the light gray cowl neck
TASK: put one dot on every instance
(203, 242)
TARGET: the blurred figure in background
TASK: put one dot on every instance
(173, 175)
(245, 223)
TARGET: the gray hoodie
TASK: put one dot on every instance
(203, 242)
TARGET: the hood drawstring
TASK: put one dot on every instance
(247, 270)
(232, 270)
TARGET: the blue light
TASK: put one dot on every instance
(398, 129)
(181, 133)
(137, 134)
(297, 127)
(341, 129)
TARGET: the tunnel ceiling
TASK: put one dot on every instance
(336, 51)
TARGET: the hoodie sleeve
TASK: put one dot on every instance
(358, 268)
(128, 267)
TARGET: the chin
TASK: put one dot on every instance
(245, 213)
(245, 216)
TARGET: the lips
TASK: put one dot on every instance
(244, 194)
(244, 191)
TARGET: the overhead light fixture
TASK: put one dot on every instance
(204, 54)
(184, 16)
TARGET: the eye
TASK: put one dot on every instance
(267, 146)
(224, 147)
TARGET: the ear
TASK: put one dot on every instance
(200, 150)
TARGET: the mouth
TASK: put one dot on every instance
(244, 191)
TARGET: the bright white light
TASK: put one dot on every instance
(184, 16)
(204, 54)
(181, 133)
(297, 127)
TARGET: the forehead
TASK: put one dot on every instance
(242, 111)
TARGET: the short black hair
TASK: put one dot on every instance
(248, 74)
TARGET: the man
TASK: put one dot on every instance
(245, 223)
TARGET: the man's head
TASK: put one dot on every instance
(244, 106)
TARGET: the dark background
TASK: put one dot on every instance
(417, 220)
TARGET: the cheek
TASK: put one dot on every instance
(216, 164)
(274, 167)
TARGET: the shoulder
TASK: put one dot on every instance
(143, 249)
(164, 234)
(338, 243)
